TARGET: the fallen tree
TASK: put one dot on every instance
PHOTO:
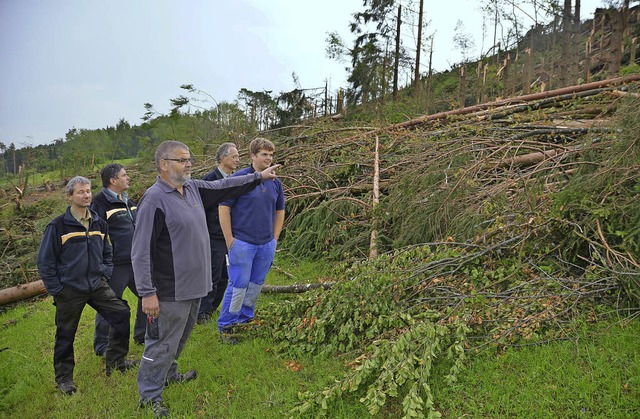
(21, 292)
(35, 288)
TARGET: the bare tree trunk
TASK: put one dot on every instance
(505, 76)
(587, 61)
(20, 292)
(495, 33)
(429, 74)
(326, 98)
(397, 55)
(295, 288)
(479, 83)
(616, 42)
(373, 246)
(463, 86)
(485, 94)
(416, 82)
(566, 39)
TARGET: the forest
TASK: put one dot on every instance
(489, 207)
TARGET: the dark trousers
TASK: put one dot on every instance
(219, 278)
(160, 357)
(121, 278)
(69, 305)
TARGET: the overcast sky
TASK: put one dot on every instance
(89, 63)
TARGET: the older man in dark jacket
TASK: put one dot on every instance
(74, 263)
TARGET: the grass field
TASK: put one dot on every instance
(595, 375)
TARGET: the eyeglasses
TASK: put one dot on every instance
(182, 161)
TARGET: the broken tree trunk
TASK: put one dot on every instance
(21, 292)
(503, 102)
(295, 288)
(373, 246)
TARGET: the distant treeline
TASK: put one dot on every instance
(197, 120)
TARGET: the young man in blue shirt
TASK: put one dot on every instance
(251, 225)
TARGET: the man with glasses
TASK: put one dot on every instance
(113, 205)
(227, 157)
(172, 262)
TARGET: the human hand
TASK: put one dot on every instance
(269, 172)
(150, 305)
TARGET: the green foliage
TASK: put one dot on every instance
(629, 69)
(395, 317)
(334, 229)
(597, 213)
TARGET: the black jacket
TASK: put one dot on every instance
(73, 256)
(211, 210)
(121, 219)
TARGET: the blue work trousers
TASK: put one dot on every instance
(248, 268)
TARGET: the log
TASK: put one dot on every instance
(506, 102)
(32, 289)
(295, 288)
(21, 292)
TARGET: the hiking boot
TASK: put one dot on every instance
(228, 339)
(122, 366)
(250, 326)
(182, 378)
(159, 409)
(228, 336)
(68, 387)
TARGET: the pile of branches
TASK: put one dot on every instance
(452, 174)
(502, 226)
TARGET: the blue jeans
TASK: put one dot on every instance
(248, 268)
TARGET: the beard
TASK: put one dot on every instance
(179, 177)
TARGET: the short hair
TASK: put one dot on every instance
(166, 149)
(260, 143)
(77, 179)
(109, 172)
(223, 151)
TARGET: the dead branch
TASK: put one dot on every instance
(295, 288)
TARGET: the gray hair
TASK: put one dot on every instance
(78, 179)
(165, 150)
(223, 151)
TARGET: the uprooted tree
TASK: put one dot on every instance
(502, 225)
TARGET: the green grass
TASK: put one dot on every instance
(244, 381)
(595, 375)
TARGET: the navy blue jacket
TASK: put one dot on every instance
(121, 219)
(73, 256)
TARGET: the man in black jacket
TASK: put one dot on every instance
(227, 158)
(114, 206)
(74, 263)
